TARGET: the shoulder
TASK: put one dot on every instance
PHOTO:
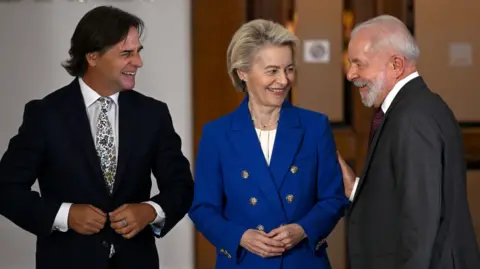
(426, 109)
(217, 125)
(312, 120)
(49, 102)
(143, 99)
(145, 104)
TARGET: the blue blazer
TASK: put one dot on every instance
(235, 189)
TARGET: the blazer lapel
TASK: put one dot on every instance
(245, 142)
(371, 150)
(288, 138)
(76, 118)
(126, 134)
(407, 90)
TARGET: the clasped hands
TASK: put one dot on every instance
(275, 243)
(127, 220)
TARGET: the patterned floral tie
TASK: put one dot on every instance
(105, 144)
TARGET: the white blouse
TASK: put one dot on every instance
(267, 139)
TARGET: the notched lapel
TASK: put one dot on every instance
(408, 90)
(371, 148)
(245, 143)
(126, 134)
(76, 118)
(287, 141)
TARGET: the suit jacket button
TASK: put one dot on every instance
(294, 169)
(290, 198)
(253, 201)
(245, 174)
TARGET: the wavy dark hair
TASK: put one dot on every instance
(97, 31)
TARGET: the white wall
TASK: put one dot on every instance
(35, 38)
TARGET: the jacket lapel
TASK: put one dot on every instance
(288, 138)
(126, 134)
(245, 143)
(410, 88)
(76, 119)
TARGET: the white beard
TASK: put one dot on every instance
(374, 90)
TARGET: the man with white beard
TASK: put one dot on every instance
(408, 208)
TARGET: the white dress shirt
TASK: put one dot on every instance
(267, 140)
(93, 108)
(385, 105)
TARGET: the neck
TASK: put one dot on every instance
(408, 71)
(264, 117)
(100, 88)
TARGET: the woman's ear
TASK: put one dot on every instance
(242, 75)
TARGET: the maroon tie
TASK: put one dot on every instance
(377, 119)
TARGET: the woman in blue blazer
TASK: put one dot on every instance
(268, 187)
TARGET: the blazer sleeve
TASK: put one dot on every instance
(172, 172)
(207, 208)
(418, 175)
(319, 222)
(19, 168)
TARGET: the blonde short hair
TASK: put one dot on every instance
(249, 39)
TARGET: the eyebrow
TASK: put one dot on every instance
(356, 61)
(130, 51)
(276, 66)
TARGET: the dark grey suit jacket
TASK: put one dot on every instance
(410, 209)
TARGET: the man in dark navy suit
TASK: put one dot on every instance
(93, 146)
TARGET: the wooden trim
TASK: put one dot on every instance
(346, 142)
(471, 141)
(213, 25)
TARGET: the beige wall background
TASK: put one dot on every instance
(321, 84)
(448, 36)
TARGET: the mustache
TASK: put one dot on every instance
(360, 83)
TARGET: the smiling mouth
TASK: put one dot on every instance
(360, 84)
(129, 73)
(277, 90)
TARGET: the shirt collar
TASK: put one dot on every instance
(90, 96)
(391, 95)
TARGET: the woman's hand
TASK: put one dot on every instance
(289, 235)
(259, 243)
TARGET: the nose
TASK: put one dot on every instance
(282, 78)
(351, 74)
(137, 61)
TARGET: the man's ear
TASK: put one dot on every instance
(398, 65)
(92, 58)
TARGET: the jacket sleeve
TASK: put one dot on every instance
(172, 172)
(319, 222)
(19, 168)
(207, 208)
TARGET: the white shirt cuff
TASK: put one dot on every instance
(354, 189)
(61, 220)
(160, 219)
